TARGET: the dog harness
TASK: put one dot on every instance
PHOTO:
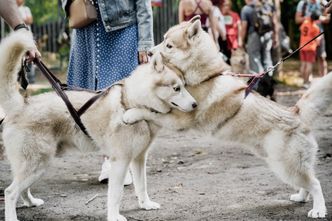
(60, 89)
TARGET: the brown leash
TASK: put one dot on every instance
(60, 88)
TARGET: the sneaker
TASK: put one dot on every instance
(105, 169)
(306, 85)
(128, 180)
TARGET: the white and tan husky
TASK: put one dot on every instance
(35, 127)
(279, 135)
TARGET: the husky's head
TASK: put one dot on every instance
(191, 50)
(168, 86)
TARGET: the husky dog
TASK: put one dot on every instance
(35, 127)
(279, 135)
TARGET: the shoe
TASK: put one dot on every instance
(128, 180)
(306, 85)
(105, 170)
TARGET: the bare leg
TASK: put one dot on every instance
(307, 68)
(322, 66)
(303, 69)
(139, 173)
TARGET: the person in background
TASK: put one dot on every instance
(309, 29)
(190, 8)
(9, 11)
(304, 10)
(220, 29)
(259, 27)
(329, 7)
(26, 15)
(110, 48)
(233, 27)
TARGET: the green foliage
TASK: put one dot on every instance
(43, 11)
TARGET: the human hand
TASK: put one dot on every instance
(143, 57)
(32, 54)
(327, 5)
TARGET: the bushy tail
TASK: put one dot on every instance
(316, 100)
(12, 49)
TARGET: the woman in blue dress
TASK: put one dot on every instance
(110, 48)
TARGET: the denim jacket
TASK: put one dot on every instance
(117, 14)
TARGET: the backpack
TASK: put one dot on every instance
(263, 18)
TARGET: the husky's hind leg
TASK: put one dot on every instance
(310, 185)
(22, 181)
(319, 208)
(293, 161)
(28, 163)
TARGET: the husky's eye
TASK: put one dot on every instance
(177, 89)
(169, 46)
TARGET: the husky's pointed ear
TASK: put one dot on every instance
(157, 62)
(195, 18)
(194, 29)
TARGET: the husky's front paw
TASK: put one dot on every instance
(131, 116)
(317, 213)
(149, 205)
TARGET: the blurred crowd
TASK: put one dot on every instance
(258, 30)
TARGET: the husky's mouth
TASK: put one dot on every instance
(179, 108)
(175, 104)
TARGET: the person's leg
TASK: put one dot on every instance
(254, 48)
(303, 69)
(309, 70)
(321, 57)
(31, 74)
(306, 72)
(266, 51)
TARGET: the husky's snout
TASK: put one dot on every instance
(154, 50)
(184, 101)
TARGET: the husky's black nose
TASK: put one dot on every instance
(194, 105)
(150, 53)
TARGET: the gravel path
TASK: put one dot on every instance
(192, 177)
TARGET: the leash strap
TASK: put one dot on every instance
(60, 88)
(56, 84)
(256, 79)
(92, 100)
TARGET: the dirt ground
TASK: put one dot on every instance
(192, 177)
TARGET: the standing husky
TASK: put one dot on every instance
(280, 136)
(35, 127)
